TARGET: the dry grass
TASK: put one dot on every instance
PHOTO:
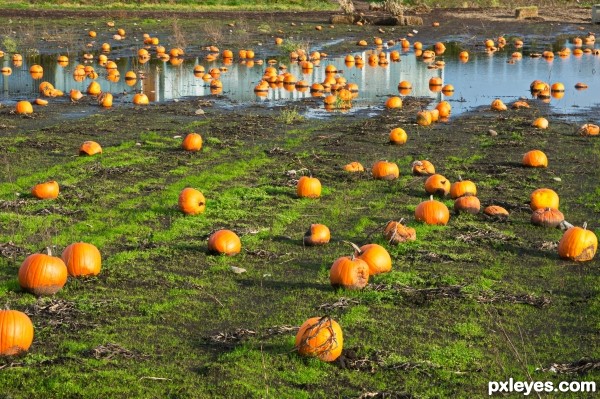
(178, 38)
(347, 6)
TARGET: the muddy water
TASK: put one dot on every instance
(477, 82)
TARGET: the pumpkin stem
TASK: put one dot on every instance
(459, 178)
(431, 197)
(585, 225)
(356, 248)
(49, 251)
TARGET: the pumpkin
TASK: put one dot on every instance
(354, 167)
(463, 56)
(557, 87)
(396, 232)
(398, 136)
(105, 99)
(192, 142)
(384, 170)
(578, 244)
(535, 159)
(540, 123)
(432, 212)
(462, 188)
(498, 105)
(94, 89)
(543, 198)
(140, 99)
(75, 95)
(317, 234)
(90, 148)
(423, 168)
(349, 273)
(308, 187)
(82, 259)
(393, 102)
(48, 190)
(191, 201)
(589, 129)
(6, 71)
(36, 71)
(581, 86)
(437, 185)
(444, 108)
(42, 274)
(547, 217)
(40, 101)
(24, 108)
(448, 90)
(520, 104)
(469, 204)
(496, 211)
(424, 118)
(375, 256)
(16, 332)
(224, 242)
(320, 337)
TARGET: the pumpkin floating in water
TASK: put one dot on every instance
(191, 201)
(82, 259)
(16, 332)
(578, 244)
(42, 274)
(320, 337)
(224, 242)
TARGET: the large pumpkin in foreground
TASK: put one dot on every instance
(42, 274)
(82, 259)
(320, 337)
(16, 332)
(578, 244)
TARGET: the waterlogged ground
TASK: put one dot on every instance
(474, 301)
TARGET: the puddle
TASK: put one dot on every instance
(483, 78)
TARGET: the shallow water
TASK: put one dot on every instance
(483, 78)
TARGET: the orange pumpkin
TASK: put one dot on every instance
(589, 129)
(192, 142)
(444, 108)
(393, 102)
(547, 217)
(317, 234)
(462, 188)
(520, 104)
(424, 118)
(105, 99)
(423, 168)
(320, 337)
(376, 256)
(224, 242)
(42, 274)
(383, 170)
(90, 148)
(24, 108)
(191, 201)
(469, 204)
(308, 187)
(349, 273)
(544, 198)
(48, 190)
(578, 244)
(82, 259)
(398, 136)
(16, 332)
(437, 185)
(432, 212)
(535, 159)
(540, 123)
(498, 105)
(94, 89)
(496, 211)
(354, 167)
(396, 232)
(140, 99)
